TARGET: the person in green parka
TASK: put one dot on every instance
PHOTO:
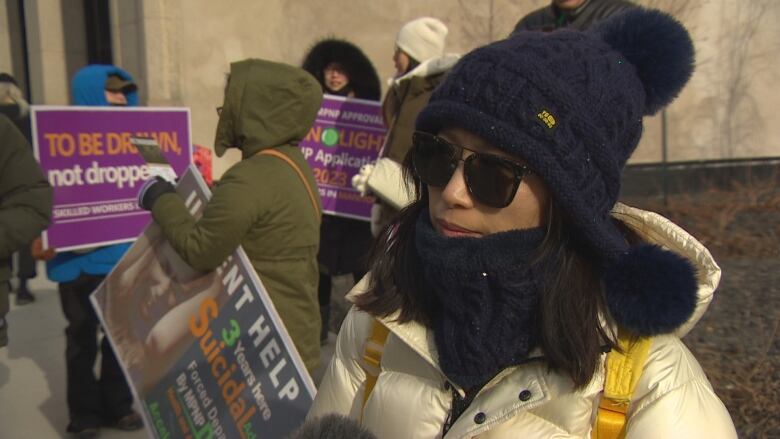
(262, 203)
(25, 205)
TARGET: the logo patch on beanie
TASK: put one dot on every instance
(547, 119)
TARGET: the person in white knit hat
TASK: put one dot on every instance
(421, 65)
(418, 41)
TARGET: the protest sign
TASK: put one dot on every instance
(206, 354)
(87, 156)
(347, 134)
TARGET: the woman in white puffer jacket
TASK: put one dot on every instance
(505, 284)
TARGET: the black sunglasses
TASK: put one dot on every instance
(492, 180)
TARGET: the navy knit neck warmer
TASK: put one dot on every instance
(487, 298)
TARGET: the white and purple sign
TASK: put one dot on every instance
(347, 134)
(96, 172)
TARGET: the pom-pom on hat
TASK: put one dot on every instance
(422, 38)
(571, 104)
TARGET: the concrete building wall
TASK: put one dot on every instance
(198, 42)
(204, 37)
(56, 47)
(180, 51)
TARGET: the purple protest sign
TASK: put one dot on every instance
(347, 134)
(95, 171)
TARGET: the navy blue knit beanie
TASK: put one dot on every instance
(571, 104)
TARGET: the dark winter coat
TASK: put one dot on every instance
(11, 111)
(25, 202)
(550, 17)
(25, 195)
(261, 202)
(344, 242)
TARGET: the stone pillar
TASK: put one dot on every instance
(56, 47)
(6, 62)
(146, 43)
(46, 52)
(12, 43)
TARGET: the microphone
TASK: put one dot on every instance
(332, 427)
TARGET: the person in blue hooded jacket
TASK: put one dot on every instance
(106, 400)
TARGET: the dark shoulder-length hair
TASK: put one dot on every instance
(571, 306)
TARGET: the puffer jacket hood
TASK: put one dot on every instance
(88, 86)
(267, 104)
(363, 78)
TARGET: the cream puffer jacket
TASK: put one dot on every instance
(412, 397)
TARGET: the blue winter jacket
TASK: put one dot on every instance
(88, 88)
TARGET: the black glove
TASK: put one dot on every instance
(152, 190)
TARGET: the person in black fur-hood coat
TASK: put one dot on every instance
(363, 82)
(344, 70)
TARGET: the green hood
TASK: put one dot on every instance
(267, 104)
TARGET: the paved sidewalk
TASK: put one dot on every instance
(32, 370)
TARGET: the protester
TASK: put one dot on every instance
(506, 281)
(574, 14)
(342, 70)
(266, 203)
(25, 205)
(15, 107)
(421, 65)
(93, 402)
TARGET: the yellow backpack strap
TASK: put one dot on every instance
(292, 164)
(624, 366)
(372, 353)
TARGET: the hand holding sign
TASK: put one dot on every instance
(161, 172)
(87, 155)
(153, 155)
(153, 189)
